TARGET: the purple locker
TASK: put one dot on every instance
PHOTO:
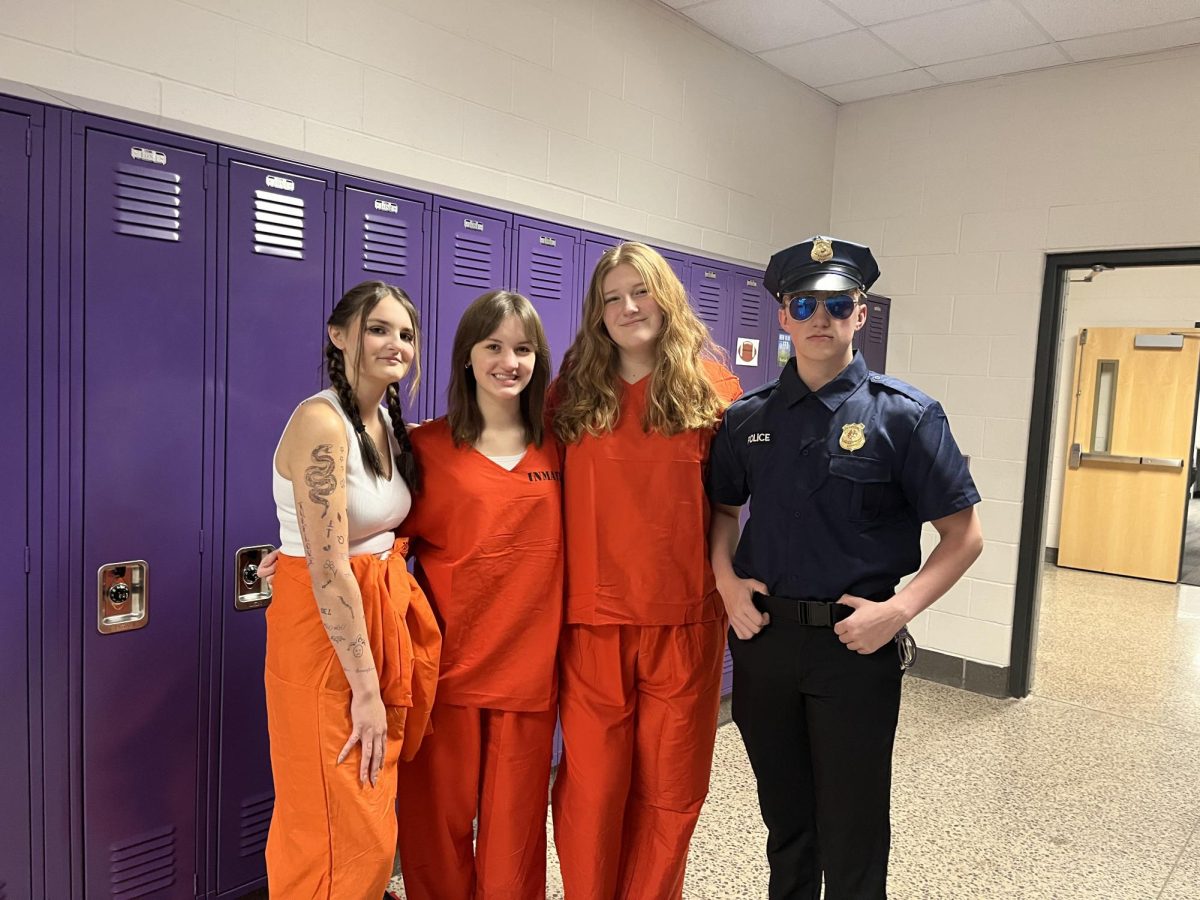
(557, 747)
(141, 310)
(727, 673)
(594, 246)
(872, 338)
(679, 263)
(275, 274)
(472, 259)
(708, 289)
(545, 261)
(382, 236)
(754, 322)
(18, 187)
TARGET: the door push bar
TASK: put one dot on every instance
(1158, 462)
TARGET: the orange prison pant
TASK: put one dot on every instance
(638, 705)
(489, 763)
(332, 838)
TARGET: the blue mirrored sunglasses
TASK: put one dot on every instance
(802, 306)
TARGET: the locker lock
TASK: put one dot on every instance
(123, 596)
(248, 591)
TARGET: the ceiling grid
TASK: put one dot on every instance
(857, 49)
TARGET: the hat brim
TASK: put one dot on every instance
(823, 281)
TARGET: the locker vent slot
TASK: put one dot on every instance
(874, 330)
(147, 202)
(546, 276)
(749, 309)
(255, 820)
(385, 244)
(473, 261)
(143, 865)
(278, 225)
(708, 304)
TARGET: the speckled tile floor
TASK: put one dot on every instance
(1088, 789)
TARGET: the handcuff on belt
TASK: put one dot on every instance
(907, 647)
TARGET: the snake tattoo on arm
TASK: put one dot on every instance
(319, 477)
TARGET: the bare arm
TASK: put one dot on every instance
(735, 592)
(313, 456)
(874, 624)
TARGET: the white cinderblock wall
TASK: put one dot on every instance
(1142, 297)
(620, 113)
(617, 112)
(962, 190)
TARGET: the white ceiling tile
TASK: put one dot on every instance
(852, 56)
(1040, 57)
(1140, 40)
(1065, 19)
(961, 33)
(898, 83)
(762, 24)
(872, 12)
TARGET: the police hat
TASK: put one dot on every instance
(820, 264)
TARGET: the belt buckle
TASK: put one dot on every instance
(816, 614)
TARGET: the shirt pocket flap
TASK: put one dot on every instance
(861, 469)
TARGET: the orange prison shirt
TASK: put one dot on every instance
(636, 519)
(489, 551)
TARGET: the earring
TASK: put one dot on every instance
(467, 366)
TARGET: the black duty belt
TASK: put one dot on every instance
(818, 613)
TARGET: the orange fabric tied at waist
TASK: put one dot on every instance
(401, 629)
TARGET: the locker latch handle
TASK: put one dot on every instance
(122, 602)
(248, 591)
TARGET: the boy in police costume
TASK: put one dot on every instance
(841, 466)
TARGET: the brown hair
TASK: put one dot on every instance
(478, 322)
(359, 301)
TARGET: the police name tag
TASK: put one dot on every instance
(763, 437)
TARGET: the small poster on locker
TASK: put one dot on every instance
(747, 352)
(784, 351)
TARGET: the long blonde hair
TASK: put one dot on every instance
(679, 396)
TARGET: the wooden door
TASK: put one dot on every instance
(1130, 445)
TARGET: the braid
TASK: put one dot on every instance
(406, 460)
(336, 365)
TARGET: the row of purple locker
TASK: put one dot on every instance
(167, 291)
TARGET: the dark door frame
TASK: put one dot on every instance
(1030, 552)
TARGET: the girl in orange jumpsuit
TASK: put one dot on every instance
(487, 534)
(352, 644)
(636, 405)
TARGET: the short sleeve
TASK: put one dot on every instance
(934, 477)
(726, 477)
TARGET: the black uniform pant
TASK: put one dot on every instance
(818, 722)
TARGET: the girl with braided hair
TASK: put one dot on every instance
(352, 642)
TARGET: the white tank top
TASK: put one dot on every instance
(374, 507)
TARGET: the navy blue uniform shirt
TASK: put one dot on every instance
(828, 516)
